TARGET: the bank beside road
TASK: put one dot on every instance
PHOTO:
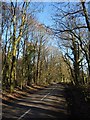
(78, 105)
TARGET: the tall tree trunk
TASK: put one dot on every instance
(76, 63)
(13, 69)
(88, 26)
(14, 45)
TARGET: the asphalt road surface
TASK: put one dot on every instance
(47, 103)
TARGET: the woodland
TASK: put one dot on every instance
(28, 56)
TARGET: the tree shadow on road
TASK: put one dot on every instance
(52, 107)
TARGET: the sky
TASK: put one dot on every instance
(45, 16)
(44, 0)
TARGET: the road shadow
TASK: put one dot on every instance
(52, 107)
